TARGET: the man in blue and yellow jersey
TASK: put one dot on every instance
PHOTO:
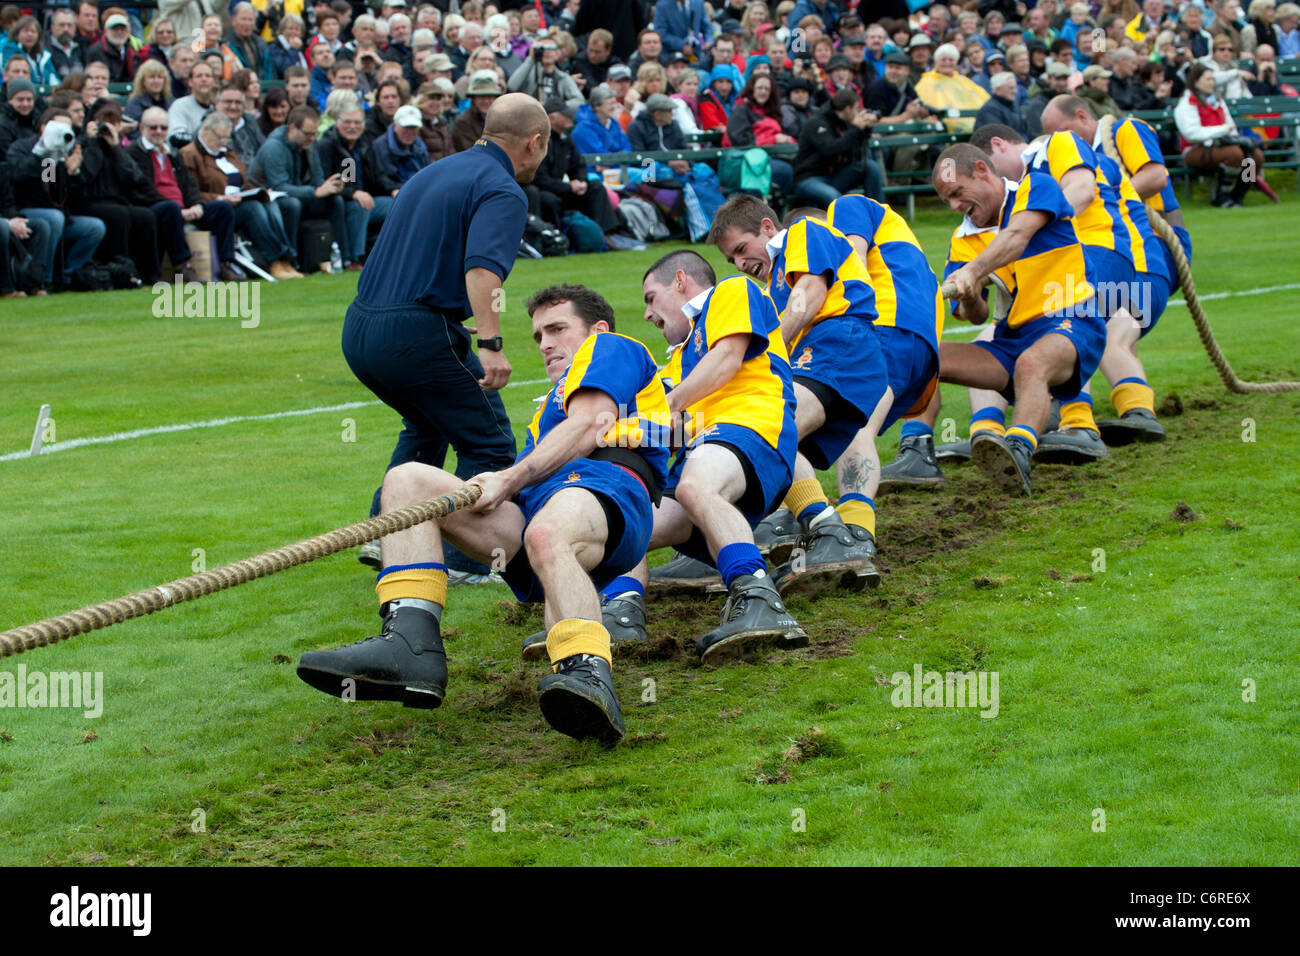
(1147, 180)
(822, 292)
(1048, 337)
(733, 404)
(571, 515)
(1123, 254)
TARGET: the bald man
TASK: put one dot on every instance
(438, 266)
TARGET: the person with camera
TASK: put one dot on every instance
(832, 157)
(1265, 82)
(45, 188)
(541, 79)
(1210, 140)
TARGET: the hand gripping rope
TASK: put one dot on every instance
(1166, 232)
(140, 603)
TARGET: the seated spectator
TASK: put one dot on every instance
(483, 90)
(176, 200)
(598, 129)
(716, 102)
(1288, 24)
(1126, 87)
(994, 62)
(891, 97)
(88, 28)
(18, 116)
(1210, 140)
(180, 62)
(649, 49)
(423, 46)
(620, 81)
(297, 86)
(1055, 82)
(686, 102)
(246, 137)
(832, 158)
(943, 88)
(595, 62)
(797, 106)
(95, 81)
(30, 238)
(1095, 91)
(483, 58)
(363, 37)
(1001, 106)
(1192, 32)
(186, 113)
(43, 191)
(1165, 92)
(67, 54)
(1018, 65)
(497, 37)
(322, 72)
(286, 49)
(247, 82)
(1265, 82)
(327, 34)
(287, 164)
(651, 78)
(389, 96)
(70, 102)
(152, 88)
(338, 102)
(1262, 27)
(113, 189)
(275, 112)
(399, 36)
(220, 174)
(436, 66)
(541, 78)
(250, 50)
(434, 100)
(1229, 82)
(114, 48)
(1079, 21)
(400, 153)
(368, 190)
(921, 49)
(839, 76)
(653, 128)
(162, 37)
(214, 46)
(24, 40)
(756, 121)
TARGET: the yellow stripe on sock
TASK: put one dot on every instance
(1078, 415)
(803, 493)
(859, 513)
(428, 584)
(1023, 433)
(1130, 395)
(576, 635)
(987, 425)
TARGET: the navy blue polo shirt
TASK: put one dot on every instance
(463, 212)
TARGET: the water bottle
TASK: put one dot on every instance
(336, 259)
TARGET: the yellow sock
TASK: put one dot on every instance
(428, 584)
(803, 494)
(858, 511)
(1133, 393)
(987, 425)
(1078, 415)
(1025, 434)
(576, 635)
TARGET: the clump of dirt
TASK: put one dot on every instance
(814, 742)
(1231, 525)
(1183, 512)
(1203, 403)
(377, 741)
(517, 614)
(510, 692)
(1054, 574)
(839, 645)
(985, 583)
(281, 659)
(660, 648)
(1080, 578)
(637, 739)
(1170, 407)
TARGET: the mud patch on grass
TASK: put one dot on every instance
(814, 742)
(516, 614)
(1183, 512)
(378, 740)
(512, 692)
(1170, 407)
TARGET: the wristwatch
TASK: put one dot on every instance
(492, 345)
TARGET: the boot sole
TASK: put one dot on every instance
(996, 463)
(735, 646)
(825, 578)
(1116, 433)
(572, 712)
(426, 697)
(779, 552)
(1066, 456)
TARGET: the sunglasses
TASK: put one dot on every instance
(152, 126)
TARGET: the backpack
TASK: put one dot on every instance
(642, 219)
(121, 272)
(92, 277)
(584, 234)
(545, 238)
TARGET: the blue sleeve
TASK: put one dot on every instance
(664, 10)
(611, 364)
(1040, 192)
(492, 241)
(825, 252)
(857, 216)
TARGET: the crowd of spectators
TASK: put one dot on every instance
(119, 129)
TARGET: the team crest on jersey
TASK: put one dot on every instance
(699, 339)
(780, 277)
(558, 392)
(1064, 326)
(573, 476)
(707, 433)
(805, 358)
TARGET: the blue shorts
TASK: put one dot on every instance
(1153, 296)
(913, 369)
(628, 513)
(841, 362)
(768, 473)
(1171, 266)
(1086, 333)
(1113, 278)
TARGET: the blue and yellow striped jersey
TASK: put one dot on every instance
(1102, 224)
(1148, 251)
(760, 396)
(811, 247)
(623, 369)
(906, 290)
(1050, 275)
(1138, 144)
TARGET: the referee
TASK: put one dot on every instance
(441, 259)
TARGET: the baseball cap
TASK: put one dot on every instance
(731, 25)
(1057, 68)
(918, 40)
(850, 22)
(658, 101)
(444, 86)
(483, 83)
(1094, 71)
(897, 57)
(838, 62)
(995, 55)
(620, 71)
(407, 116)
(858, 40)
(1012, 27)
(438, 61)
(799, 83)
(557, 104)
(116, 20)
(679, 58)
(394, 3)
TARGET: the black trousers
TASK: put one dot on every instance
(129, 231)
(594, 204)
(420, 364)
(218, 218)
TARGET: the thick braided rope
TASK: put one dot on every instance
(60, 628)
(1202, 322)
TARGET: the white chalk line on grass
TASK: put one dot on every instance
(211, 423)
(237, 419)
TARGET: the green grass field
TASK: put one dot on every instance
(1146, 664)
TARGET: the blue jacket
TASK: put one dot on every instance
(676, 29)
(829, 13)
(42, 68)
(591, 137)
(280, 166)
(320, 87)
(398, 161)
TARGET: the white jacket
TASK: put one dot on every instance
(1228, 84)
(1188, 120)
(188, 16)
